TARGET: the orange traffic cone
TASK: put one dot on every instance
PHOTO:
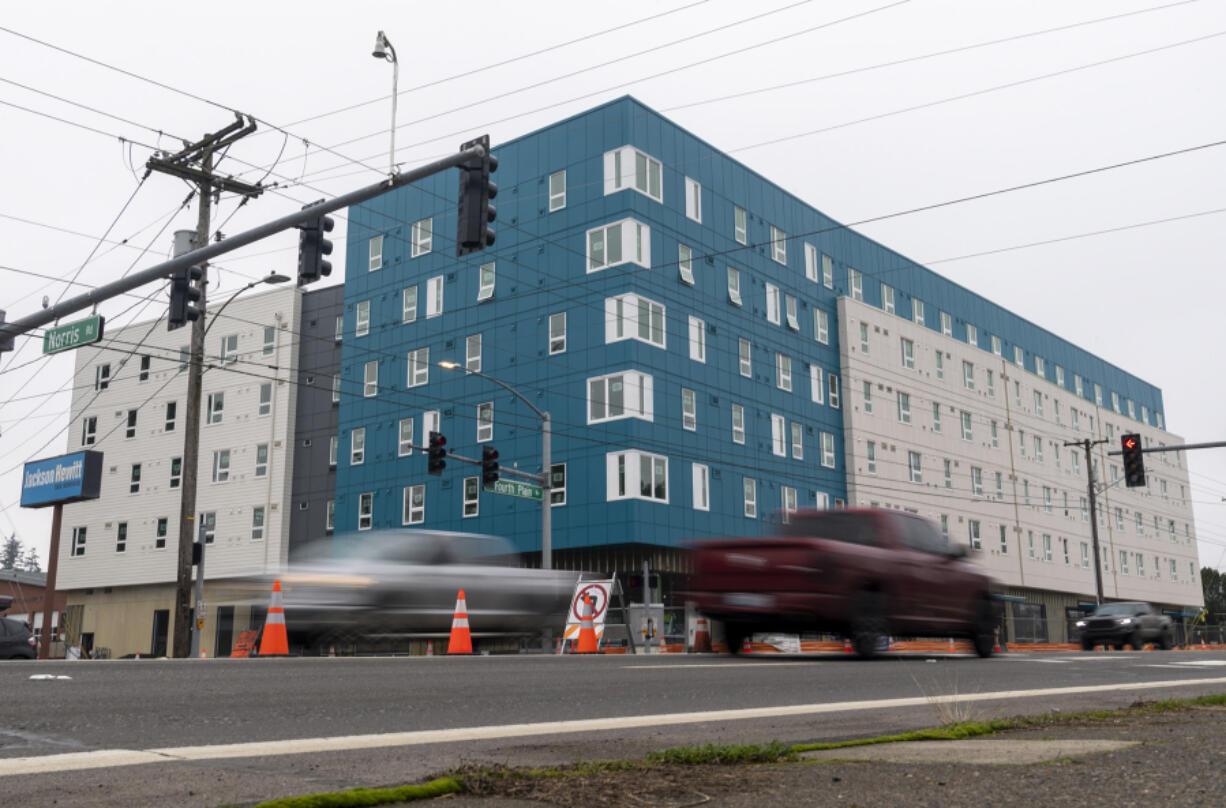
(461, 641)
(746, 646)
(889, 644)
(996, 642)
(587, 630)
(702, 637)
(331, 650)
(203, 654)
(275, 641)
(1203, 647)
(429, 647)
(847, 649)
(951, 645)
(558, 650)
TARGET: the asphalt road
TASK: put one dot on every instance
(205, 732)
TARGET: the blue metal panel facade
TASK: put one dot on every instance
(541, 269)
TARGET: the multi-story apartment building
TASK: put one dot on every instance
(695, 334)
(118, 554)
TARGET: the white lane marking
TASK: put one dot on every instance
(1203, 662)
(715, 665)
(1178, 667)
(106, 758)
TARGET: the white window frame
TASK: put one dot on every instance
(375, 253)
(334, 444)
(693, 199)
(357, 446)
(229, 349)
(915, 467)
(740, 225)
(798, 441)
(917, 310)
(423, 237)
(409, 304)
(637, 391)
(633, 245)
(418, 372)
(221, 465)
(629, 168)
(968, 375)
(887, 298)
(472, 498)
(485, 281)
(557, 333)
(434, 296)
(472, 353)
(738, 424)
(947, 324)
(404, 445)
(907, 348)
(700, 476)
(361, 325)
(789, 312)
(772, 304)
(215, 408)
(821, 326)
(828, 450)
(370, 379)
(811, 269)
(734, 287)
(258, 522)
(631, 316)
(832, 389)
(624, 475)
(685, 263)
(270, 340)
(336, 389)
(557, 196)
(745, 357)
(264, 408)
(827, 271)
(778, 435)
(783, 371)
(89, 430)
(904, 407)
(972, 335)
(817, 384)
(870, 450)
(698, 339)
(413, 507)
(855, 281)
(485, 421)
(78, 541)
(261, 460)
(787, 502)
(968, 432)
(749, 490)
(868, 398)
(689, 410)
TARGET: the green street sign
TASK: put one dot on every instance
(73, 335)
(516, 489)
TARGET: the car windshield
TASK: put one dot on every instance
(1118, 609)
(856, 528)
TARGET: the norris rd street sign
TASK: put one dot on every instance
(73, 335)
(516, 489)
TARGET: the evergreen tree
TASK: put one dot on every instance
(31, 562)
(1213, 583)
(11, 553)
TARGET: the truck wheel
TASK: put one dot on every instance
(869, 625)
(1165, 641)
(985, 630)
(1136, 642)
(1087, 645)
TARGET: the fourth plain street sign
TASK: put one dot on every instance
(73, 335)
(516, 489)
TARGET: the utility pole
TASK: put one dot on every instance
(1087, 445)
(180, 165)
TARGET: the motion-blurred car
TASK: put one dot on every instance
(16, 639)
(1131, 622)
(405, 582)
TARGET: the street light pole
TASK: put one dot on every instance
(544, 477)
(384, 50)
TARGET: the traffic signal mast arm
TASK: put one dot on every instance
(1221, 444)
(167, 269)
(539, 479)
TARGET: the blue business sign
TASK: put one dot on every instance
(67, 478)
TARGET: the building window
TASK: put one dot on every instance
(872, 457)
(1019, 356)
(628, 167)
(821, 328)
(265, 406)
(209, 522)
(976, 481)
(914, 467)
(779, 245)
(557, 484)
(229, 349)
(472, 353)
(405, 443)
(745, 357)
(973, 532)
(376, 253)
(618, 243)
(751, 497)
(778, 445)
(557, 190)
(817, 384)
(828, 450)
(772, 303)
(423, 237)
(972, 335)
(701, 477)
(637, 475)
(917, 310)
(1000, 487)
(134, 479)
(185, 357)
(787, 502)
(89, 430)
(215, 408)
(330, 517)
(685, 263)
(811, 263)
(827, 272)
(887, 298)
(693, 200)
(783, 372)
(357, 446)
(485, 421)
(130, 431)
(908, 353)
(121, 537)
(968, 375)
(1047, 547)
(366, 510)
(557, 333)
(336, 389)
(176, 471)
(936, 416)
(261, 460)
(1123, 562)
(949, 473)
(78, 542)
(856, 282)
(995, 436)
(102, 376)
(868, 398)
(419, 367)
(1140, 559)
(740, 230)
(734, 286)
(833, 382)
(410, 305)
(434, 296)
(904, 407)
(689, 413)
(485, 281)
(340, 326)
(966, 425)
(333, 450)
(370, 382)
(634, 317)
(145, 361)
(738, 424)
(698, 340)
(362, 326)
(159, 536)
(991, 378)
(430, 422)
(864, 338)
(472, 497)
(257, 523)
(620, 395)
(789, 312)
(798, 443)
(221, 465)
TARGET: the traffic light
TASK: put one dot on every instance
(473, 231)
(313, 246)
(489, 466)
(184, 295)
(1134, 460)
(437, 454)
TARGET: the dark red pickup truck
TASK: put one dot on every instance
(864, 574)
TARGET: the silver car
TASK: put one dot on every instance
(405, 583)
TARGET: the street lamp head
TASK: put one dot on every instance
(448, 364)
(276, 277)
(382, 46)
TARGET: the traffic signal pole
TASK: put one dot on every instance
(1088, 444)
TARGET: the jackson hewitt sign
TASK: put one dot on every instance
(67, 478)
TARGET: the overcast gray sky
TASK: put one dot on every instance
(857, 137)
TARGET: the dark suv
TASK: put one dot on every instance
(16, 641)
(1131, 622)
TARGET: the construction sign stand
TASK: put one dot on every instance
(603, 594)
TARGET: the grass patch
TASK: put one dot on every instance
(360, 797)
(723, 754)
